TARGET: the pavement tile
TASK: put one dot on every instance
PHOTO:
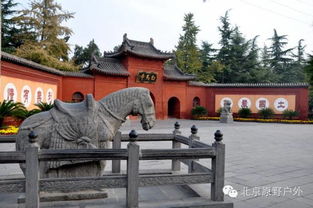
(291, 204)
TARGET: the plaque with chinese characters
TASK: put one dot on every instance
(146, 77)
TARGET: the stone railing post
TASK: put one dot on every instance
(32, 172)
(116, 164)
(192, 137)
(218, 168)
(132, 191)
(175, 144)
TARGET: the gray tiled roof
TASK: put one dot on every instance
(24, 62)
(249, 85)
(76, 74)
(109, 66)
(172, 72)
(138, 48)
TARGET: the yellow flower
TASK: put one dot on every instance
(9, 130)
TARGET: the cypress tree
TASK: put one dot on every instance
(209, 66)
(83, 55)
(187, 53)
(224, 54)
(11, 34)
(278, 56)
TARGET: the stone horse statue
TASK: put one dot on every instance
(85, 125)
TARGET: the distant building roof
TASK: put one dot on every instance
(249, 85)
(24, 62)
(109, 66)
(138, 48)
(172, 72)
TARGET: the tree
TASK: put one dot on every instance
(239, 68)
(300, 53)
(187, 52)
(278, 59)
(10, 32)
(209, 66)
(83, 55)
(295, 70)
(309, 70)
(309, 75)
(265, 57)
(44, 19)
(6, 23)
(223, 55)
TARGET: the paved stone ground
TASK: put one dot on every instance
(270, 165)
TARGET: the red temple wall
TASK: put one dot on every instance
(201, 93)
(104, 85)
(135, 65)
(76, 84)
(101, 85)
(301, 96)
(19, 77)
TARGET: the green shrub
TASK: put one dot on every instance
(10, 108)
(289, 114)
(244, 112)
(199, 111)
(44, 106)
(266, 113)
(24, 113)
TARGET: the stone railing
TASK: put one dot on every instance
(32, 185)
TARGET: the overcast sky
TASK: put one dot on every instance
(107, 20)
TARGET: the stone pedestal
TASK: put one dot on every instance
(226, 117)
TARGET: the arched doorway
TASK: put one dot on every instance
(196, 102)
(77, 97)
(173, 108)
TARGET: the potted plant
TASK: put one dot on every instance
(9, 108)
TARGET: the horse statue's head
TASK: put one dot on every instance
(144, 106)
(130, 101)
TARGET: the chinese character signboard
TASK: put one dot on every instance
(49, 96)
(10, 92)
(39, 95)
(26, 95)
(262, 103)
(146, 77)
(244, 103)
(281, 104)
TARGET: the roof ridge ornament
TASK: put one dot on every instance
(125, 37)
(151, 41)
